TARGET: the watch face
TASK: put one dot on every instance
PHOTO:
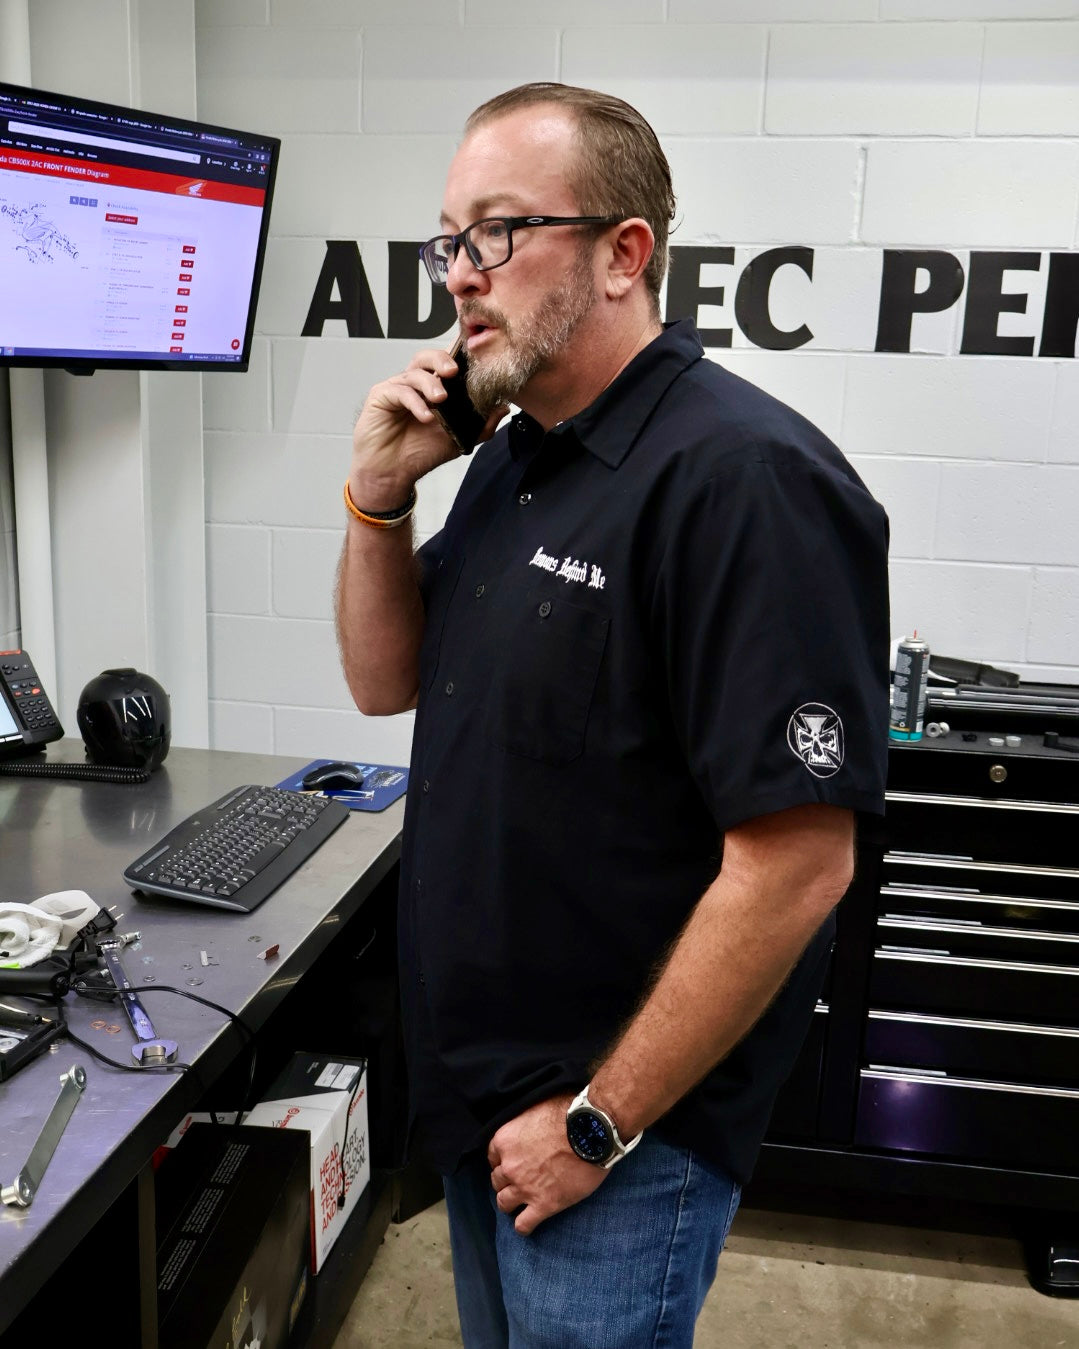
(590, 1136)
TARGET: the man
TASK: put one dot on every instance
(648, 653)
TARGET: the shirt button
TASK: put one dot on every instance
(426, 785)
(480, 589)
(545, 608)
(525, 498)
(449, 688)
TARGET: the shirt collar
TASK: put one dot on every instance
(610, 425)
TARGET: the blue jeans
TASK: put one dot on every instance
(627, 1268)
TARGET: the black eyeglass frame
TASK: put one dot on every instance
(511, 222)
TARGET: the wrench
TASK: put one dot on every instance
(22, 1189)
(151, 1050)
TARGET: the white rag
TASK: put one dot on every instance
(31, 932)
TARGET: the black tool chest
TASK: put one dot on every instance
(944, 1058)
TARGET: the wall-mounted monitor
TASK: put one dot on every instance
(128, 239)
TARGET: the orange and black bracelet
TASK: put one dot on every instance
(381, 519)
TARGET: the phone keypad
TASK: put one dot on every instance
(32, 705)
(27, 694)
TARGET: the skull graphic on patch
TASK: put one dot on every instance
(815, 734)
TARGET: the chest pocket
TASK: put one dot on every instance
(542, 690)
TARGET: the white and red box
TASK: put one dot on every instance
(327, 1096)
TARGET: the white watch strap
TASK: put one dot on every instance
(620, 1148)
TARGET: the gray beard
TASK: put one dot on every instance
(534, 341)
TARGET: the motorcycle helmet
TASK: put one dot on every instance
(125, 719)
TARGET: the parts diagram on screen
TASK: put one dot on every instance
(37, 237)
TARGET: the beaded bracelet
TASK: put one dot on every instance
(381, 519)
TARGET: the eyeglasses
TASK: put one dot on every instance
(489, 242)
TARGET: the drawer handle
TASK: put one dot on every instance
(980, 802)
(921, 859)
(880, 1074)
(979, 929)
(965, 896)
(972, 1023)
(969, 962)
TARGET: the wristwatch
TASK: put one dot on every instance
(593, 1135)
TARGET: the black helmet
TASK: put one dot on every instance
(125, 719)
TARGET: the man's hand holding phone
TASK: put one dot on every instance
(412, 423)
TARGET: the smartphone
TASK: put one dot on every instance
(461, 419)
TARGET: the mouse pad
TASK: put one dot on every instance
(382, 784)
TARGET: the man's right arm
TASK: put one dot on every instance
(379, 608)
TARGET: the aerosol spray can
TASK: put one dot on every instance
(909, 685)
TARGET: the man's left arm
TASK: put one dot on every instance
(782, 874)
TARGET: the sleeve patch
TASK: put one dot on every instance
(815, 735)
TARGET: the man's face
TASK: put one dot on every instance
(519, 319)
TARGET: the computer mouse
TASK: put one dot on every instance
(333, 777)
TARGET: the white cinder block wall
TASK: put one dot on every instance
(848, 129)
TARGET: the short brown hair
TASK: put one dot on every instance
(621, 168)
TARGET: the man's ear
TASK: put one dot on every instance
(631, 244)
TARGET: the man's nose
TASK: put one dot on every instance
(464, 277)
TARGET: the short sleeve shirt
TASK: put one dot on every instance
(662, 617)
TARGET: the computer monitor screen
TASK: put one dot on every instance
(128, 238)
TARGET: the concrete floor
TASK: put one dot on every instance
(785, 1281)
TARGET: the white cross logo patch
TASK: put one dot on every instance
(815, 734)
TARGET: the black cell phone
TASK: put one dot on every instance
(457, 413)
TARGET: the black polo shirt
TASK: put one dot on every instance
(666, 615)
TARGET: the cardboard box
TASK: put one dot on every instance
(233, 1232)
(320, 1093)
(192, 1117)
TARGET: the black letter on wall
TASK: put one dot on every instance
(403, 318)
(986, 303)
(343, 264)
(751, 299)
(899, 301)
(1061, 306)
(685, 294)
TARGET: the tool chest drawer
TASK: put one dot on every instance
(968, 904)
(1008, 1051)
(963, 986)
(912, 867)
(956, 766)
(983, 941)
(1022, 1126)
(1030, 832)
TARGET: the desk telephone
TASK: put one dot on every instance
(123, 716)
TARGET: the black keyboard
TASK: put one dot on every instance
(235, 852)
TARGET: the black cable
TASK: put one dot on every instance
(127, 1067)
(240, 1022)
(170, 1067)
(83, 772)
(348, 1121)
